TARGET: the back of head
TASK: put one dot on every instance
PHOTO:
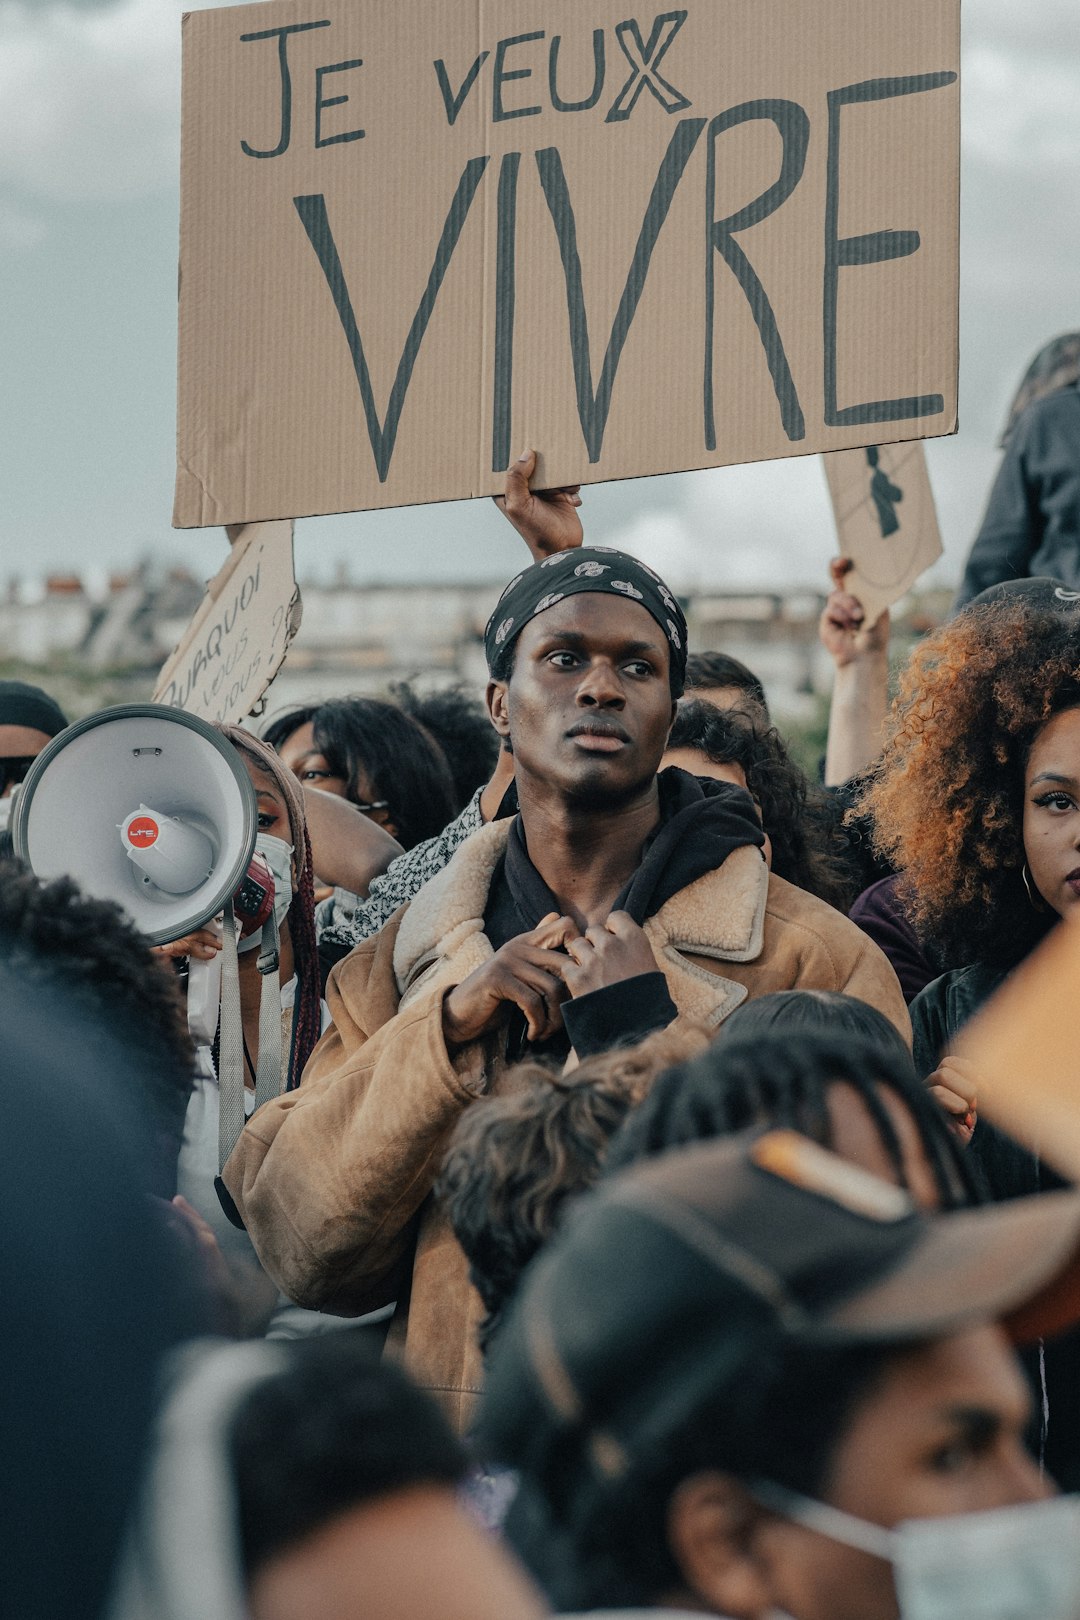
(85, 953)
(781, 1078)
(718, 671)
(92, 1289)
(461, 726)
(332, 1428)
(517, 1160)
(825, 1012)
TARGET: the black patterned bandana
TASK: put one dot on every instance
(572, 573)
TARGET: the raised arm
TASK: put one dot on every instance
(860, 698)
(546, 519)
(348, 848)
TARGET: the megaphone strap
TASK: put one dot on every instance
(268, 1082)
(231, 1110)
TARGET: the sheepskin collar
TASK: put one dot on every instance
(720, 916)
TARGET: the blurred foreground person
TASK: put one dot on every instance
(517, 1161)
(615, 902)
(92, 1293)
(753, 1380)
(297, 1481)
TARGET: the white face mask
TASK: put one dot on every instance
(278, 856)
(1011, 1563)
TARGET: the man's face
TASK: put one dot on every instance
(940, 1433)
(588, 707)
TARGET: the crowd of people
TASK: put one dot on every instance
(601, 1221)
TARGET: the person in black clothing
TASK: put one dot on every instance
(1032, 521)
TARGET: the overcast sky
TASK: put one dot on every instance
(89, 97)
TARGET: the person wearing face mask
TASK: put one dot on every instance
(29, 719)
(287, 991)
(752, 1380)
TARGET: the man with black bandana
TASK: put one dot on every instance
(614, 902)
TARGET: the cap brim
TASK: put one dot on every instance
(1017, 1262)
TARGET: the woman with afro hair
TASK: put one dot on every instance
(976, 799)
(977, 802)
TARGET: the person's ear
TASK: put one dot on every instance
(497, 707)
(711, 1524)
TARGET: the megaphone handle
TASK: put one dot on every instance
(204, 998)
(231, 1060)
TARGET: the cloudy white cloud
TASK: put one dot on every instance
(89, 113)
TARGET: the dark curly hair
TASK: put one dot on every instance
(781, 1077)
(334, 1428)
(710, 671)
(400, 759)
(947, 797)
(57, 938)
(461, 726)
(798, 817)
(514, 1160)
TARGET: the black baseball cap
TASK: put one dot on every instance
(671, 1279)
(1039, 592)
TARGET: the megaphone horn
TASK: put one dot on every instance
(144, 805)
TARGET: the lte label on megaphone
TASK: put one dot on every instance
(142, 832)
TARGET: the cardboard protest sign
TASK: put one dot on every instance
(416, 239)
(237, 641)
(885, 520)
(1024, 1050)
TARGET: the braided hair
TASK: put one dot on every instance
(782, 1080)
(307, 1012)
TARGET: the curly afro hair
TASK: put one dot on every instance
(947, 797)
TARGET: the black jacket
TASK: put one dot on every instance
(1032, 521)
(1011, 1171)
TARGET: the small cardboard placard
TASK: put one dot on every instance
(886, 521)
(417, 239)
(1026, 1056)
(238, 638)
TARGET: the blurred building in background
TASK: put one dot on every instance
(105, 644)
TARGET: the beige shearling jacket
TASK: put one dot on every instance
(333, 1180)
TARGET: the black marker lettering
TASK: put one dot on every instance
(876, 247)
(498, 112)
(505, 290)
(794, 128)
(593, 407)
(333, 101)
(313, 216)
(282, 37)
(453, 103)
(598, 75)
(645, 59)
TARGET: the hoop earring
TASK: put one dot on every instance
(1035, 899)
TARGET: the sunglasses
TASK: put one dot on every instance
(13, 769)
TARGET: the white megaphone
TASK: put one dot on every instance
(152, 808)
